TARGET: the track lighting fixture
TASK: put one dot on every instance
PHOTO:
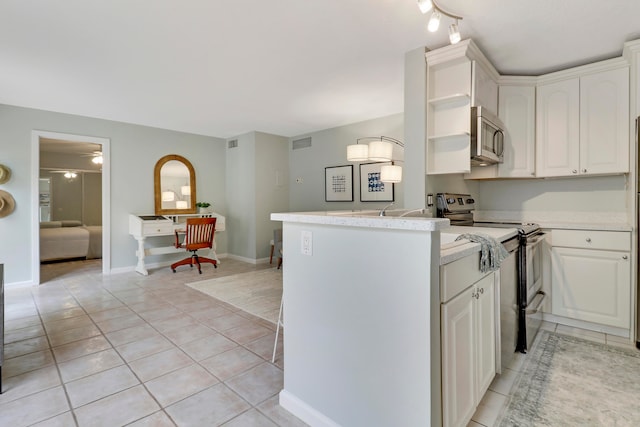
(454, 33)
(434, 21)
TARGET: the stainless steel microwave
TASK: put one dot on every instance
(487, 137)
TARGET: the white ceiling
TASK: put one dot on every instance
(288, 67)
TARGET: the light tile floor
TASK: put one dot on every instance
(495, 400)
(90, 350)
(84, 349)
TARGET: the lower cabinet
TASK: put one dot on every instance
(468, 350)
(591, 276)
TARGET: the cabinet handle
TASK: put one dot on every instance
(584, 171)
(588, 239)
(574, 171)
(482, 290)
(624, 257)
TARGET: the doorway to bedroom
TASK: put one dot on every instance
(70, 206)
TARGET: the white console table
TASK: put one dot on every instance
(142, 227)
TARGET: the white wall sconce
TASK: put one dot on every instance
(168, 196)
(185, 190)
(181, 204)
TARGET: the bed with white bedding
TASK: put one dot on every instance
(61, 240)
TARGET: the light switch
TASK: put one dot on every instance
(306, 243)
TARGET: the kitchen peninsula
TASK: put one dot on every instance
(361, 315)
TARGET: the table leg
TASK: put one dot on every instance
(140, 268)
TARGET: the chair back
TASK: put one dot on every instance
(199, 233)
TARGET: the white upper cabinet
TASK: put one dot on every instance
(485, 89)
(582, 125)
(558, 128)
(517, 109)
(458, 77)
(604, 122)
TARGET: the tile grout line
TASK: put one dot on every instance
(55, 361)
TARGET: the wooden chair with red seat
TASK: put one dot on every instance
(198, 235)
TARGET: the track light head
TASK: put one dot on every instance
(434, 21)
(454, 33)
(425, 5)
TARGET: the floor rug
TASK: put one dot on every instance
(256, 292)
(568, 381)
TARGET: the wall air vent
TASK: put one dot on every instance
(233, 143)
(301, 143)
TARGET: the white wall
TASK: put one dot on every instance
(257, 185)
(329, 148)
(240, 189)
(272, 187)
(415, 131)
(134, 152)
(594, 194)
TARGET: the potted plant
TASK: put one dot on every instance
(203, 206)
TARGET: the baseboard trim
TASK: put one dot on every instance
(15, 285)
(605, 329)
(305, 412)
(248, 260)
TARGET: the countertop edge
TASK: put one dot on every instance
(367, 221)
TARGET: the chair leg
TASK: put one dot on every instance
(186, 261)
(271, 255)
(279, 262)
(197, 261)
(280, 323)
(194, 260)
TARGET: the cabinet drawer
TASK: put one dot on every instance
(157, 229)
(589, 239)
(455, 277)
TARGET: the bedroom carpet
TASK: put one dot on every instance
(256, 292)
(568, 381)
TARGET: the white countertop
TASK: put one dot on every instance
(368, 219)
(455, 251)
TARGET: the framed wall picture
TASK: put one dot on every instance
(338, 183)
(371, 188)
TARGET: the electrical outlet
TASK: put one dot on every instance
(306, 243)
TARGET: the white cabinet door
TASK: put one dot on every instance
(604, 122)
(458, 359)
(485, 315)
(468, 350)
(517, 109)
(558, 128)
(591, 285)
(485, 89)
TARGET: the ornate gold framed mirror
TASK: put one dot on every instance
(174, 186)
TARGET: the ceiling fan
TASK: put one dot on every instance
(69, 174)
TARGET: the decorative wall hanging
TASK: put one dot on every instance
(338, 181)
(5, 174)
(7, 204)
(372, 189)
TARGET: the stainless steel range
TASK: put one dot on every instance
(521, 294)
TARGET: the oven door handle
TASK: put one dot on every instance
(535, 303)
(534, 240)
